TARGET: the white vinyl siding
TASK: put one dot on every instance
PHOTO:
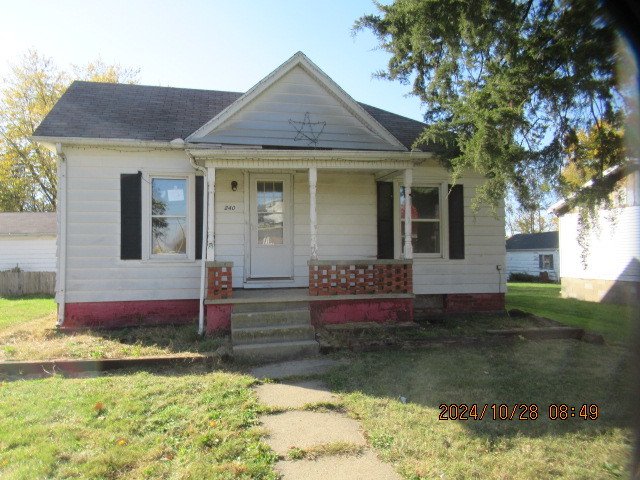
(484, 247)
(31, 253)
(95, 272)
(614, 249)
(346, 207)
(528, 261)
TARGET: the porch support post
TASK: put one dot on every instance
(408, 247)
(313, 223)
(211, 211)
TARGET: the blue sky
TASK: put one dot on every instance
(218, 45)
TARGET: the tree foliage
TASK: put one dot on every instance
(507, 84)
(27, 170)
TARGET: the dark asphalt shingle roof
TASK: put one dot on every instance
(533, 241)
(140, 112)
(28, 223)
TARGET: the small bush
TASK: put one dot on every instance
(527, 278)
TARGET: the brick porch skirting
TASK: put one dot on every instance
(353, 277)
(219, 280)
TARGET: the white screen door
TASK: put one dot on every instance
(271, 246)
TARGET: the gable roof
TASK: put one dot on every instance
(28, 223)
(93, 110)
(533, 241)
(298, 71)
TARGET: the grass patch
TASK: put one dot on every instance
(17, 310)
(186, 424)
(324, 407)
(40, 340)
(28, 332)
(420, 445)
(614, 322)
(327, 449)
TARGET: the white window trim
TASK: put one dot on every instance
(444, 220)
(147, 256)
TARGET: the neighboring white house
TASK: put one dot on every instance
(292, 185)
(610, 270)
(28, 241)
(533, 253)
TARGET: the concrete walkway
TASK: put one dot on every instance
(299, 429)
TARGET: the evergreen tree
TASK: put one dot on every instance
(507, 84)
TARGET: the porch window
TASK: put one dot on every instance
(169, 216)
(426, 215)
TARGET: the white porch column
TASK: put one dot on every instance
(408, 247)
(211, 213)
(313, 223)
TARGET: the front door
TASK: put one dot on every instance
(271, 248)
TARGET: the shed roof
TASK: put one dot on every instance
(28, 223)
(148, 113)
(533, 241)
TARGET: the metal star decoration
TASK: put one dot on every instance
(308, 130)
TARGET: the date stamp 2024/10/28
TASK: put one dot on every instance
(560, 411)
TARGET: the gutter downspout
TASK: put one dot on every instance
(61, 277)
(205, 213)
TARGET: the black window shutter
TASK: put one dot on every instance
(199, 210)
(131, 216)
(456, 222)
(385, 220)
(551, 262)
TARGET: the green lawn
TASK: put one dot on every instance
(540, 373)
(166, 425)
(23, 309)
(28, 332)
(614, 322)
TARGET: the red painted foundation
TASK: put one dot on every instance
(325, 312)
(474, 302)
(124, 314)
(218, 318)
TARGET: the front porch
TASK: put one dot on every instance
(339, 291)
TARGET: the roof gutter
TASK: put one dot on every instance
(106, 142)
(205, 213)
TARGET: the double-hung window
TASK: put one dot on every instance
(545, 262)
(169, 216)
(161, 216)
(426, 219)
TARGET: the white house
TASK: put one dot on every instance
(292, 186)
(533, 254)
(608, 269)
(28, 241)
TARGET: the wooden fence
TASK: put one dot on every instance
(22, 283)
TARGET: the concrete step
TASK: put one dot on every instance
(269, 318)
(269, 306)
(273, 334)
(276, 351)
